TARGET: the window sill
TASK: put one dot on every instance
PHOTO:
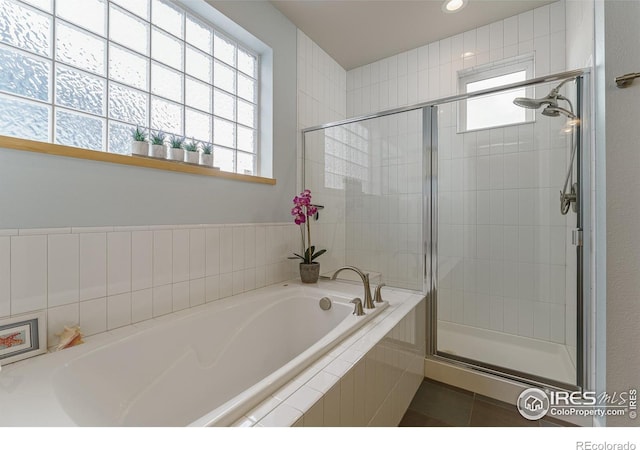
(13, 143)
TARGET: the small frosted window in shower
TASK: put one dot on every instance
(497, 109)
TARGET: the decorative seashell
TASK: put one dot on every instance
(70, 337)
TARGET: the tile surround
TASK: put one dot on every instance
(502, 262)
(106, 278)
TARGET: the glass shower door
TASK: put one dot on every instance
(506, 282)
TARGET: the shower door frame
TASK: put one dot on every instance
(584, 360)
(430, 230)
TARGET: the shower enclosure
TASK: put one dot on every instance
(485, 218)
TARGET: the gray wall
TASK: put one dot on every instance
(38, 190)
(621, 36)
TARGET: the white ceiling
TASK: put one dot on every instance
(358, 32)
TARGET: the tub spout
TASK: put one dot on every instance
(368, 301)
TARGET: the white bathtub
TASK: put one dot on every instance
(207, 366)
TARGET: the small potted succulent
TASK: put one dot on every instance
(139, 145)
(158, 149)
(206, 157)
(176, 152)
(191, 152)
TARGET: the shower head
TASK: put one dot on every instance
(555, 111)
(550, 103)
(535, 103)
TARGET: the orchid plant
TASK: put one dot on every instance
(302, 212)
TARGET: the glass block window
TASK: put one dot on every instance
(86, 72)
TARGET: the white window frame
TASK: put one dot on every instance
(508, 66)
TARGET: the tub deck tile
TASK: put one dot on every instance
(283, 416)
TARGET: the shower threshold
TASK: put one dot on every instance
(526, 355)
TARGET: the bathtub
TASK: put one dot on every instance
(211, 364)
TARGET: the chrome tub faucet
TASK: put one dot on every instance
(368, 301)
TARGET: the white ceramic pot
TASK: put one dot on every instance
(206, 160)
(139, 148)
(191, 157)
(176, 154)
(158, 151)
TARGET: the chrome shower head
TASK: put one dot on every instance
(534, 103)
(555, 111)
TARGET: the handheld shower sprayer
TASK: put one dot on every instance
(552, 109)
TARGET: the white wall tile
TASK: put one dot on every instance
(93, 265)
(226, 250)
(238, 282)
(197, 253)
(249, 247)
(212, 288)
(58, 318)
(510, 28)
(212, 257)
(141, 260)
(525, 318)
(118, 310)
(541, 21)
(180, 296)
(28, 273)
(162, 258)
(118, 262)
(162, 300)
(238, 249)
(225, 285)
(525, 26)
(93, 316)
(196, 292)
(541, 320)
(5, 276)
(141, 305)
(180, 255)
(63, 269)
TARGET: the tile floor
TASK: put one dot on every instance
(440, 405)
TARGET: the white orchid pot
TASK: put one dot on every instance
(176, 154)
(139, 148)
(206, 160)
(158, 151)
(191, 157)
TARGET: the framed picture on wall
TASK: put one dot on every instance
(22, 337)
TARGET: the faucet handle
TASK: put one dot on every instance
(377, 298)
(357, 309)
